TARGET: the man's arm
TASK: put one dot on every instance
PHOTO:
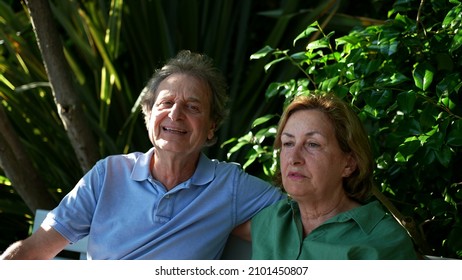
(43, 244)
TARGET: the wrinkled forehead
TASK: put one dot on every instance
(184, 85)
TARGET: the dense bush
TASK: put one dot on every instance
(403, 78)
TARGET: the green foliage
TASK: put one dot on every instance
(403, 78)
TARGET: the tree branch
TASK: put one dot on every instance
(59, 74)
(17, 166)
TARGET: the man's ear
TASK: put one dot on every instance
(211, 131)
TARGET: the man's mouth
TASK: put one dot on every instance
(174, 130)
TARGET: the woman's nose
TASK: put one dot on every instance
(295, 157)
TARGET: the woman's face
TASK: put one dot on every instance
(312, 163)
(180, 119)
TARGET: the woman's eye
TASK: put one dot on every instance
(287, 144)
(312, 145)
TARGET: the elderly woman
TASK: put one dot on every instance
(326, 168)
(171, 202)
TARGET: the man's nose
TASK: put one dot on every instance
(176, 111)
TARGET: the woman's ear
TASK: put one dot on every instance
(350, 165)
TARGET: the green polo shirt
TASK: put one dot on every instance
(366, 232)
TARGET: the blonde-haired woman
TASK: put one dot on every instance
(326, 167)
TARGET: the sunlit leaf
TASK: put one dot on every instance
(318, 44)
(423, 75)
(273, 62)
(252, 156)
(329, 84)
(448, 103)
(453, 17)
(457, 41)
(305, 34)
(262, 120)
(391, 80)
(262, 52)
(408, 148)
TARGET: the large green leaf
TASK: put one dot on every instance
(406, 101)
(423, 75)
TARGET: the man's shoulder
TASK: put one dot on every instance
(218, 166)
(122, 163)
(127, 157)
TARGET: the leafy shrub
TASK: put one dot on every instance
(403, 78)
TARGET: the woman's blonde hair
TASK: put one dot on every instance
(350, 134)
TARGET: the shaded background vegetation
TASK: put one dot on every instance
(112, 48)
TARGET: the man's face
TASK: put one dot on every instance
(180, 118)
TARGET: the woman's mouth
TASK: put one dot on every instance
(295, 175)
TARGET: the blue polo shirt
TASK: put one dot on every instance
(127, 214)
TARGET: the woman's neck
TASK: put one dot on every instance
(313, 214)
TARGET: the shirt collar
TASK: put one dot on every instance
(140, 171)
(205, 170)
(366, 216)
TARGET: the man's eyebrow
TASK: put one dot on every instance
(194, 99)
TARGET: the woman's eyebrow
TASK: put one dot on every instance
(310, 133)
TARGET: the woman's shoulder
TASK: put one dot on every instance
(385, 221)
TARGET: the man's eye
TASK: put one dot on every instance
(194, 108)
(165, 104)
